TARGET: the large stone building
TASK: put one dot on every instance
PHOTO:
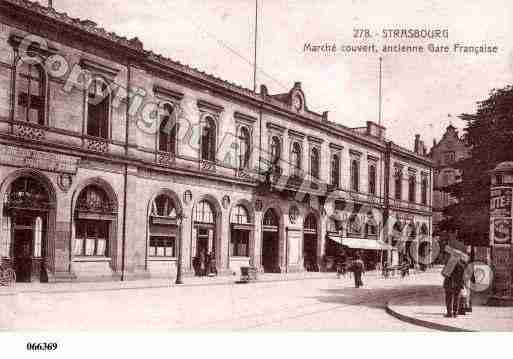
(98, 182)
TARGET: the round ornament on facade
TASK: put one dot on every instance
(65, 181)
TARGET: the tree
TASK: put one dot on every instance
(489, 134)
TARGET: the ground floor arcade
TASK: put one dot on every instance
(91, 221)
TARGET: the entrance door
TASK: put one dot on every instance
(310, 252)
(310, 243)
(270, 252)
(23, 254)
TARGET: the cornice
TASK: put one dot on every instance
(164, 92)
(297, 134)
(241, 116)
(205, 105)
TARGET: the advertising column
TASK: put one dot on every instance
(501, 233)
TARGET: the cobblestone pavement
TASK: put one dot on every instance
(308, 304)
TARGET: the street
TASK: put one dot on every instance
(310, 304)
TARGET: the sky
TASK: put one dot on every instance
(422, 93)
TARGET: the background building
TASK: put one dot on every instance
(113, 157)
(450, 149)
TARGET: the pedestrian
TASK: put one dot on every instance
(453, 284)
(358, 269)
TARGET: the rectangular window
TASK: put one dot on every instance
(424, 191)
(162, 246)
(239, 244)
(91, 238)
(98, 103)
(355, 175)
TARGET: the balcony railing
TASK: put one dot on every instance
(29, 131)
(209, 166)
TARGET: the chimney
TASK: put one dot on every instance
(417, 145)
(50, 4)
(325, 116)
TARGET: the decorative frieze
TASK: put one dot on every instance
(28, 132)
(96, 145)
(165, 158)
(208, 166)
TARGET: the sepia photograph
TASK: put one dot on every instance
(255, 166)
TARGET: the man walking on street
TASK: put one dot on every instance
(358, 269)
(453, 284)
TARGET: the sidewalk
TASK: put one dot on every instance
(427, 308)
(154, 283)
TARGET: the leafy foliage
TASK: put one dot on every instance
(489, 134)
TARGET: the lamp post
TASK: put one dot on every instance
(179, 221)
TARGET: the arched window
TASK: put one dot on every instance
(270, 218)
(314, 163)
(355, 175)
(240, 215)
(163, 206)
(162, 228)
(310, 225)
(27, 193)
(398, 185)
(295, 159)
(424, 190)
(244, 147)
(372, 179)
(203, 213)
(94, 199)
(335, 170)
(275, 150)
(167, 131)
(98, 106)
(92, 233)
(30, 93)
(208, 140)
(412, 184)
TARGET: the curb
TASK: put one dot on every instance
(424, 323)
(172, 285)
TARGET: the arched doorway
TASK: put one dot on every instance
(27, 206)
(204, 260)
(310, 243)
(270, 242)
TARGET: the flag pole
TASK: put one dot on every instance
(380, 91)
(256, 44)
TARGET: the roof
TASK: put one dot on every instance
(279, 101)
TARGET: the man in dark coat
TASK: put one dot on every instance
(358, 269)
(453, 283)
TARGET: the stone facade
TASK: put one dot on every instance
(115, 199)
